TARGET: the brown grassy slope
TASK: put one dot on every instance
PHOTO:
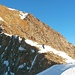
(42, 33)
(13, 23)
(32, 28)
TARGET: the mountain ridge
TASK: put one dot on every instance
(15, 28)
(32, 28)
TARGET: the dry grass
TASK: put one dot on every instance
(55, 58)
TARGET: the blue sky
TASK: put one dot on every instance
(58, 14)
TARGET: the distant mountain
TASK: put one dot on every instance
(28, 46)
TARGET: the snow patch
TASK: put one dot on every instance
(2, 54)
(11, 9)
(32, 51)
(1, 19)
(31, 42)
(15, 36)
(6, 48)
(33, 61)
(21, 48)
(20, 39)
(6, 62)
(6, 73)
(21, 66)
(12, 73)
(64, 55)
(8, 34)
(8, 68)
(28, 68)
(23, 15)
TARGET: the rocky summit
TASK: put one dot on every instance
(29, 46)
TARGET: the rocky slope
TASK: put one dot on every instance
(17, 57)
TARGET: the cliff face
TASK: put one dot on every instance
(17, 57)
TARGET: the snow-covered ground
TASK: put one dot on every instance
(8, 34)
(46, 48)
(70, 71)
(63, 69)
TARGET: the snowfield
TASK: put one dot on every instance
(46, 48)
(63, 69)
